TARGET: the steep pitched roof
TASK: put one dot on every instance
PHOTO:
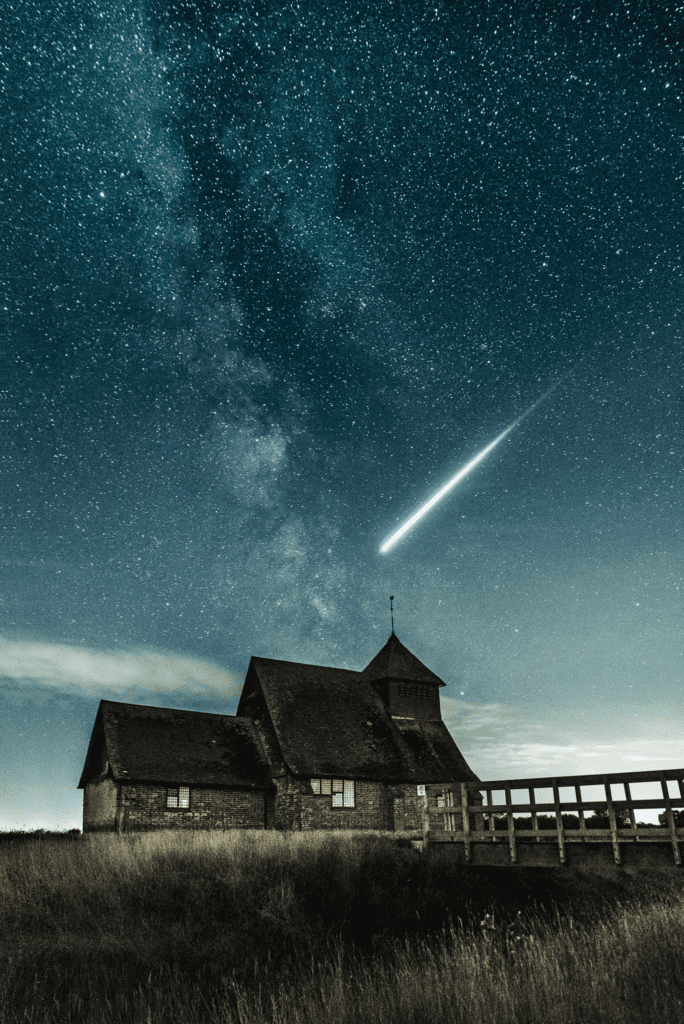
(395, 661)
(431, 744)
(331, 722)
(165, 745)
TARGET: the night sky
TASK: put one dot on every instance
(271, 274)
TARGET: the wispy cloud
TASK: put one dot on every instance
(500, 741)
(133, 675)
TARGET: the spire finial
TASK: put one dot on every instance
(392, 613)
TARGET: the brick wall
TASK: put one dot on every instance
(378, 805)
(287, 804)
(408, 808)
(99, 805)
(444, 808)
(373, 809)
(144, 809)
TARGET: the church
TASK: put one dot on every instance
(308, 748)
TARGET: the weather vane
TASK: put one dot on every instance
(392, 613)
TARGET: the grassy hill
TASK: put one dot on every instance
(260, 926)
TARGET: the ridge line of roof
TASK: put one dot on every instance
(155, 707)
(306, 664)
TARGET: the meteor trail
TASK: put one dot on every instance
(391, 541)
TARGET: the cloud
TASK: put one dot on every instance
(501, 742)
(117, 675)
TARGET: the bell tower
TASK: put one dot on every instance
(407, 688)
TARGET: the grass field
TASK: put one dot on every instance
(256, 927)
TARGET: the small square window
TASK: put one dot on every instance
(178, 797)
(341, 791)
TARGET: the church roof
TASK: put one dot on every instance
(327, 722)
(166, 745)
(395, 661)
(331, 722)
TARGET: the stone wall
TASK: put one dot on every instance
(444, 800)
(407, 808)
(294, 806)
(372, 810)
(99, 805)
(144, 809)
(381, 806)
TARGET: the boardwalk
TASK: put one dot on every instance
(464, 830)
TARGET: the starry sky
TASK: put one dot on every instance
(272, 274)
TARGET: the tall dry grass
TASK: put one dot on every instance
(257, 927)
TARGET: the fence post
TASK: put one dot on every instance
(613, 821)
(490, 817)
(511, 825)
(630, 811)
(559, 821)
(670, 819)
(580, 814)
(535, 823)
(466, 821)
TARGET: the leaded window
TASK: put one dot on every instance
(340, 790)
(178, 798)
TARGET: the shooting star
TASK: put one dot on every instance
(424, 509)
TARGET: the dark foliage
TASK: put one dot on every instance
(38, 835)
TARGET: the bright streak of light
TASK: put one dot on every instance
(424, 509)
(444, 490)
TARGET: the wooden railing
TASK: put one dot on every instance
(456, 818)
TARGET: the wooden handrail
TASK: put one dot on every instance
(671, 774)
(473, 807)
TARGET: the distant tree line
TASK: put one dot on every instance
(19, 835)
(598, 819)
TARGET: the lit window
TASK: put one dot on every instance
(341, 791)
(179, 797)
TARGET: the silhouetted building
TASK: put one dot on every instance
(309, 748)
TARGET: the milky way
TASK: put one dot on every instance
(262, 265)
